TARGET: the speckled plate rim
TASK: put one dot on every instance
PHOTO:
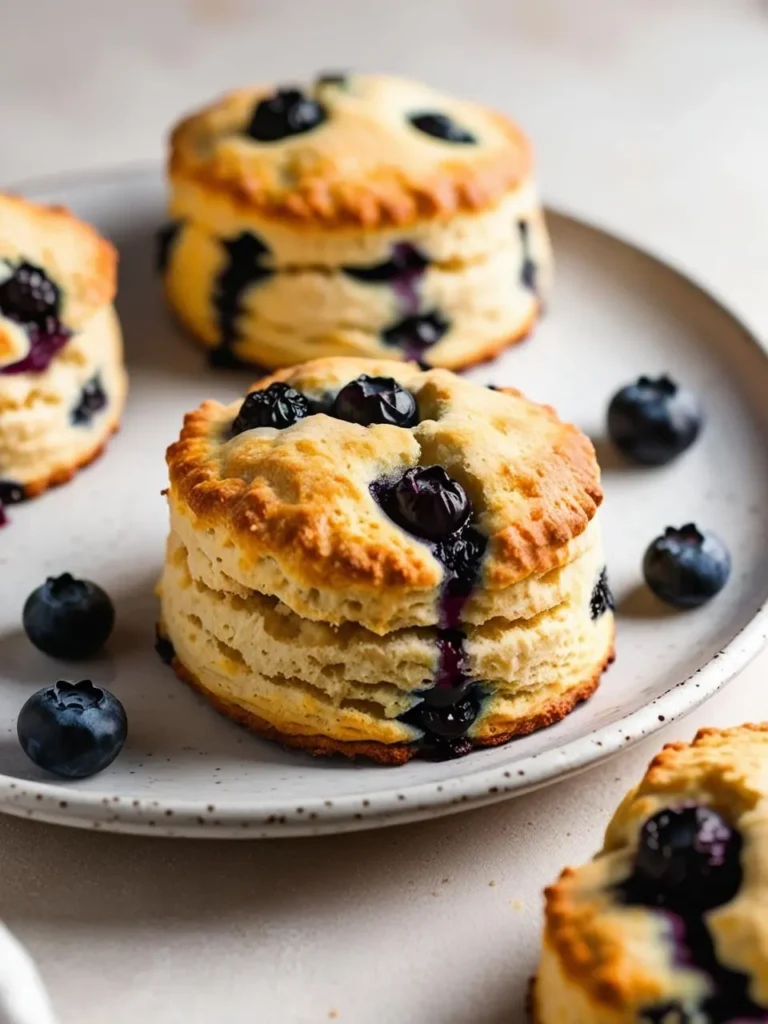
(57, 804)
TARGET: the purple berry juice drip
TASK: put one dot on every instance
(31, 299)
(244, 267)
(403, 271)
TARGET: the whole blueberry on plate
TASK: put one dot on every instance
(370, 400)
(278, 406)
(653, 420)
(686, 567)
(68, 618)
(426, 501)
(72, 729)
(688, 859)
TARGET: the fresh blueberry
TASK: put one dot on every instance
(72, 729)
(685, 567)
(92, 400)
(601, 600)
(440, 126)
(414, 334)
(287, 112)
(68, 618)
(427, 502)
(653, 421)
(688, 860)
(370, 400)
(30, 298)
(278, 406)
(165, 239)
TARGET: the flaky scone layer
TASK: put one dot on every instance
(606, 962)
(299, 312)
(348, 685)
(290, 513)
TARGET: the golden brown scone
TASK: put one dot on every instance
(369, 558)
(366, 215)
(62, 380)
(667, 925)
(291, 512)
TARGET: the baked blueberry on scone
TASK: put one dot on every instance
(372, 559)
(363, 215)
(667, 925)
(62, 381)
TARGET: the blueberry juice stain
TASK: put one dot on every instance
(452, 704)
(243, 268)
(429, 504)
(403, 272)
(528, 270)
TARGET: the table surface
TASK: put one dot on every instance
(650, 118)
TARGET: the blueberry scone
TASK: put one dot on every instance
(667, 925)
(363, 216)
(62, 381)
(373, 559)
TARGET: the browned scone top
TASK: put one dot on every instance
(72, 253)
(364, 165)
(268, 506)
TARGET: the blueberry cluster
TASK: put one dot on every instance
(70, 729)
(365, 400)
(652, 422)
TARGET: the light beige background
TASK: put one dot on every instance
(651, 116)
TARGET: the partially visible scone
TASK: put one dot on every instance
(62, 381)
(669, 923)
(365, 216)
(370, 558)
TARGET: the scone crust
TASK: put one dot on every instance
(544, 715)
(722, 768)
(366, 166)
(76, 257)
(533, 481)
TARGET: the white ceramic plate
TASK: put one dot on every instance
(616, 313)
